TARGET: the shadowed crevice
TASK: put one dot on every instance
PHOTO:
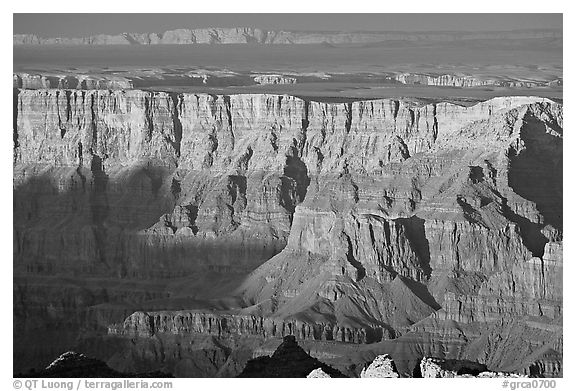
(15, 99)
(415, 231)
(297, 170)
(176, 123)
(360, 270)
(536, 171)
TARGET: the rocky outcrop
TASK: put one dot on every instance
(25, 80)
(443, 80)
(549, 364)
(274, 79)
(442, 368)
(72, 81)
(318, 374)
(382, 366)
(259, 36)
(468, 81)
(289, 360)
(544, 362)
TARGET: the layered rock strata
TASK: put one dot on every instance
(73, 81)
(144, 325)
(468, 81)
(415, 220)
(442, 80)
(274, 79)
(215, 36)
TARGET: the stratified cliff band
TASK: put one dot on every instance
(249, 35)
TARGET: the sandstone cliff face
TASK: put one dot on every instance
(354, 218)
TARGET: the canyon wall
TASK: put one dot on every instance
(189, 167)
(259, 36)
(368, 215)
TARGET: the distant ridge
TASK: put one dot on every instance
(247, 35)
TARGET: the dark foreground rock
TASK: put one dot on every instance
(71, 364)
(289, 360)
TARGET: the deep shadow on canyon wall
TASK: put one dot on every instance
(536, 171)
(83, 260)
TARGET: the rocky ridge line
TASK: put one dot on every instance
(79, 81)
(74, 365)
(288, 360)
(216, 36)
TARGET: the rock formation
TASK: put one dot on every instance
(379, 221)
(467, 81)
(141, 324)
(72, 81)
(216, 36)
(274, 79)
(442, 80)
(382, 366)
(435, 367)
(289, 360)
(545, 362)
(441, 368)
(318, 373)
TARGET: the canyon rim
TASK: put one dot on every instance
(230, 201)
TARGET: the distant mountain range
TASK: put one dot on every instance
(258, 36)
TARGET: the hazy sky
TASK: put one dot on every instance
(75, 25)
